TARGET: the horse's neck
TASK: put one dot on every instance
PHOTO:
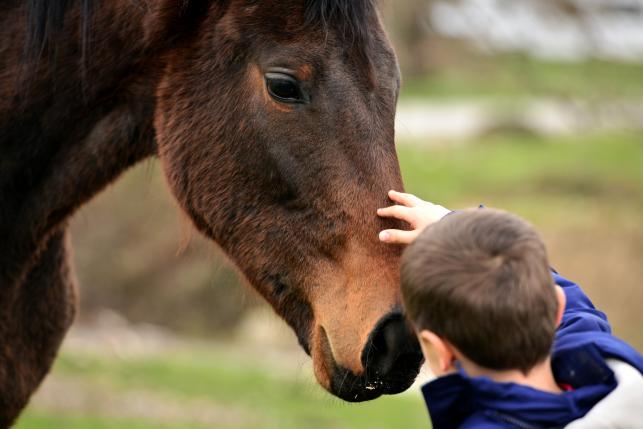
(67, 128)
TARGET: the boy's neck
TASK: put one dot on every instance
(539, 377)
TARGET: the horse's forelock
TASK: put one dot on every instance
(350, 16)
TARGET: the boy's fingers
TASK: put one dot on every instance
(408, 200)
(397, 236)
(398, 212)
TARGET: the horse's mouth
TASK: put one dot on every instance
(365, 387)
(359, 388)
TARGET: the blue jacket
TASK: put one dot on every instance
(583, 343)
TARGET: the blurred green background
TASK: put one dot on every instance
(170, 337)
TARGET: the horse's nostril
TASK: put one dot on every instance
(392, 349)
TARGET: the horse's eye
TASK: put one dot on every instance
(284, 88)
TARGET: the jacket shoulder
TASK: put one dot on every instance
(622, 407)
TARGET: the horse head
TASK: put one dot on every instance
(275, 127)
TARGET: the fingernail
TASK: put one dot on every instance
(385, 236)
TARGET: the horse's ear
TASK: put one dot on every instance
(171, 20)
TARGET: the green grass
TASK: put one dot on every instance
(515, 76)
(40, 420)
(275, 401)
(541, 175)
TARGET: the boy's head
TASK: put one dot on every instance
(478, 282)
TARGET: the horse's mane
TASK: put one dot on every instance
(46, 17)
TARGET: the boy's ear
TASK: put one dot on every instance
(562, 302)
(438, 353)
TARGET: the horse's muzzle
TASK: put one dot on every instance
(391, 360)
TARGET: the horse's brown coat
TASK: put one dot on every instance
(288, 191)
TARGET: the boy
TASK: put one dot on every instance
(513, 345)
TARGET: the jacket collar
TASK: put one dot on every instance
(454, 398)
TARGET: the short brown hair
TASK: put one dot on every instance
(481, 279)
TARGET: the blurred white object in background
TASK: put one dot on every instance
(421, 121)
(570, 30)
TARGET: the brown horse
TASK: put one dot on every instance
(274, 122)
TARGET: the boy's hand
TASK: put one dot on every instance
(411, 209)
